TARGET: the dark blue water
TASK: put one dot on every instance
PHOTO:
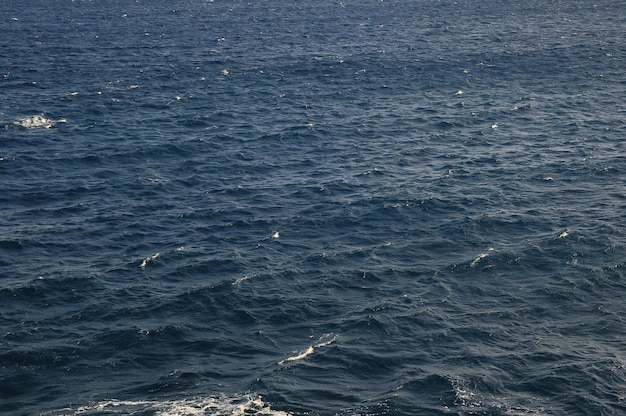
(312, 208)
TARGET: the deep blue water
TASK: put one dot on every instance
(312, 208)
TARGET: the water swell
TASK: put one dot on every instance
(334, 207)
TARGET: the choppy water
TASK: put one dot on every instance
(312, 208)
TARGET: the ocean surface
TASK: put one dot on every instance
(398, 207)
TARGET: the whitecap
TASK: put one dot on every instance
(69, 96)
(472, 401)
(299, 356)
(241, 279)
(274, 236)
(480, 257)
(216, 406)
(37, 121)
(324, 341)
(149, 259)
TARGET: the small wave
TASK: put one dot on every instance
(471, 400)
(322, 342)
(216, 406)
(37, 122)
(148, 259)
(299, 356)
(564, 234)
(239, 280)
(480, 257)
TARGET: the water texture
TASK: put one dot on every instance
(312, 208)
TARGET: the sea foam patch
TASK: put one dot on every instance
(37, 121)
(322, 342)
(481, 256)
(469, 400)
(196, 406)
(148, 259)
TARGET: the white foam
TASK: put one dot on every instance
(474, 402)
(215, 406)
(298, 357)
(480, 257)
(325, 340)
(274, 236)
(37, 121)
(241, 279)
(149, 259)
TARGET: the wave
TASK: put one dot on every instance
(145, 261)
(38, 121)
(212, 405)
(322, 342)
(470, 399)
